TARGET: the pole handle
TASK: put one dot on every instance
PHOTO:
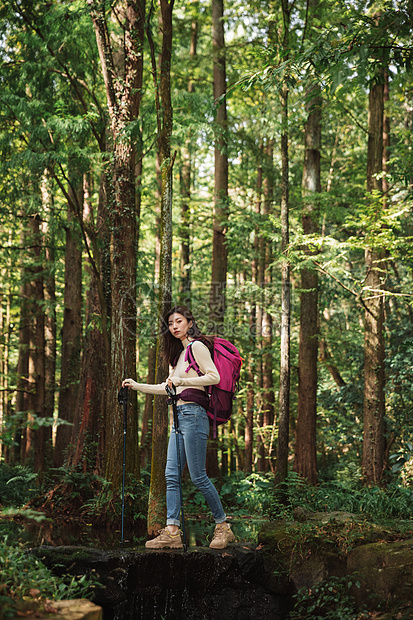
(170, 391)
(123, 400)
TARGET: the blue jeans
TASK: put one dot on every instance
(193, 436)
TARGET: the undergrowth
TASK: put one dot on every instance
(330, 599)
(376, 503)
(27, 585)
(18, 485)
(255, 495)
(69, 492)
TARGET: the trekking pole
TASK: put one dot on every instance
(172, 395)
(123, 400)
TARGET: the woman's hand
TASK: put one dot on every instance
(130, 383)
(174, 381)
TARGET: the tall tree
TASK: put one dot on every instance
(374, 379)
(22, 381)
(123, 85)
(71, 335)
(285, 364)
(87, 444)
(253, 367)
(186, 179)
(164, 112)
(219, 248)
(305, 460)
(48, 228)
(37, 361)
(267, 321)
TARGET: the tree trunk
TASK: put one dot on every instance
(386, 188)
(87, 443)
(157, 491)
(50, 328)
(185, 263)
(71, 335)
(386, 138)
(325, 358)
(219, 249)
(251, 397)
(22, 381)
(146, 428)
(37, 349)
(186, 179)
(374, 380)
(5, 306)
(284, 396)
(257, 277)
(305, 460)
(253, 372)
(267, 322)
(249, 422)
(123, 93)
(284, 407)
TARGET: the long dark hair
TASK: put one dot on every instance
(173, 347)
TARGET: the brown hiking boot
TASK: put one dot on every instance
(165, 539)
(222, 536)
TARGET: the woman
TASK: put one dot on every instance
(179, 329)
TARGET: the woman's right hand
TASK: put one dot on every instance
(130, 383)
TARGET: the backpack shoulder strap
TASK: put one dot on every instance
(190, 358)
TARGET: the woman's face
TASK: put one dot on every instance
(179, 325)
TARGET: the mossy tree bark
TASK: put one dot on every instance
(267, 320)
(253, 366)
(71, 334)
(285, 364)
(305, 459)
(86, 452)
(22, 380)
(374, 378)
(186, 181)
(219, 249)
(157, 491)
(123, 84)
(50, 325)
(37, 369)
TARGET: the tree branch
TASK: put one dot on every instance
(73, 81)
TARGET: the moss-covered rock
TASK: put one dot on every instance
(385, 571)
(319, 546)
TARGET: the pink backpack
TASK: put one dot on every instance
(228, 361)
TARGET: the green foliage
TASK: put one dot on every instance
(106, 503)
(355, 45)
(247, 494)
(241, 495)
(376, 503)
(330, 598)
(255, 495)
(403, 456)
(24, 513)
(24, 576)
(17, 485)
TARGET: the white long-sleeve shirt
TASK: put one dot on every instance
(182, 379)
